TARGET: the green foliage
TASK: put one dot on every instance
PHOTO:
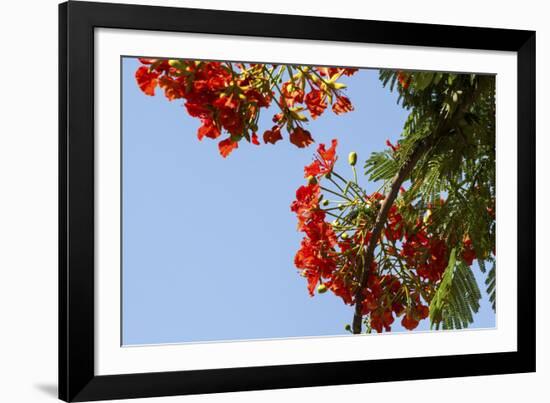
(381, 166)
(457, 298)
(459, 165)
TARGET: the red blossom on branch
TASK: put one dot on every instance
(342, 105)
(404, 79)
(301, 138)
(330, 253)
(227, 146)
(324, 161)
(230, 96)
(316, 103)
(147, 80)
(273, 135)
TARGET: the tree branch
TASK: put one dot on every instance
(397, 181)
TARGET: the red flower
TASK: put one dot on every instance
(317, 257)
(231, 121)
(279, 118)
(381, 320)
(292, 94)
(227, 146)
(315, 102)
(317, 230)
(427, 254)
(301, 138)
(147, 80)
(208, 129)
(258, 98)
(173, 88)
(414, 316)
(324, 161)
(468, 253)
(254, 139)
(158, 65)
(404, 79)
(394, 148)
(397, 307)
(422, 311)
(342, 105)
(226, 103)
(340, 289)
(370, 302)
(216, 83)
(145, 60)
(273, 135)
(409, 322)
(349, 71)
(376, 196)
(307, 199)
(198, 110)
(394, 229)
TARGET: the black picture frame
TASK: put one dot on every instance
(77, 379)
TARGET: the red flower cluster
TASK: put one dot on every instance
(317, 255)
(377, 301)
(316, 99)
(321, 254)
(211, 93)
(383, 299)
(427, 254)
(330, 255)
(230, 98)
(295, 100)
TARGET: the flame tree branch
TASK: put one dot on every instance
(423, 147)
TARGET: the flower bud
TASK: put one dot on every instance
(427, 216)
(322, 289)
(325, 202)
(345, 235)
(338, 86)
(348, 328)
(311, 180)
(352, 158)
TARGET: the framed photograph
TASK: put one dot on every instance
(258, 201)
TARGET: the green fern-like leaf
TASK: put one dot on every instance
(381, 166)
(457, 298)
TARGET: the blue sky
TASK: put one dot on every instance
(209, 243)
